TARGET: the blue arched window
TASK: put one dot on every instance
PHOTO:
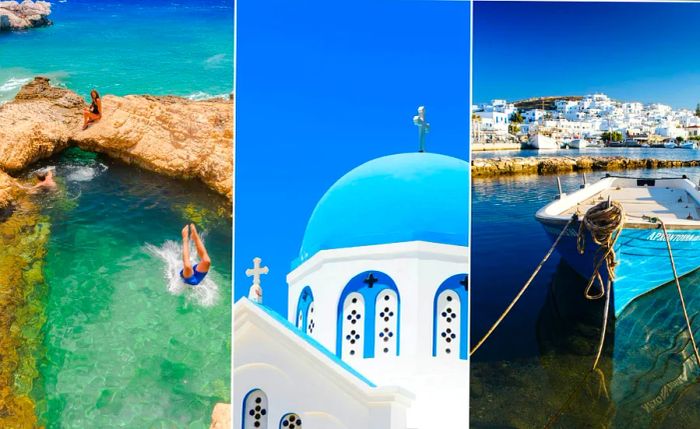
(368, 317)
(290, 421)
(255, 410)
(305, 311)
(450, 317)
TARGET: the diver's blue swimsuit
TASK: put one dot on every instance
(195, 279)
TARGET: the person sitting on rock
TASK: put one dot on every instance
(94, 112)
(193, 275)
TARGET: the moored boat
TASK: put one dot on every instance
(543, 142)
(670, 145)
(688, 145)
(632, 143)
(579, 143)
(641, 253)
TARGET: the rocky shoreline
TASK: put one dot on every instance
(20, 16)
(492, 167)
(169, 135)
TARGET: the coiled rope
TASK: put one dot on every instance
(604, 223)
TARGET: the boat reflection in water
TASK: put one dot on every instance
(648, 363)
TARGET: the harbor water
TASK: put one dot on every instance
(535, 370)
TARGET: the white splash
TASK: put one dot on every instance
(13, 84)
(84, 173)
(205, 294)
(200, 95)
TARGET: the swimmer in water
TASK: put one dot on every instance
(193, 275)
(45, 182)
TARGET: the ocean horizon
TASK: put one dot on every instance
(119, 47)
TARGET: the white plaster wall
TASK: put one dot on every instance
(418, 269)
(295, 381)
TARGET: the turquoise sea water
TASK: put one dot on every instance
(124, 346)
(123, 47)
(530, 372)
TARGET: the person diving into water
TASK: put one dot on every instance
(94, 112)
(193, 275)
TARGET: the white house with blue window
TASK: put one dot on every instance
(375, 334)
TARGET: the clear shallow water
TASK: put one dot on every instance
(656, 153)
(121, 348)
(123, 47)
(525, 374)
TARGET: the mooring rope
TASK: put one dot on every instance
(604, 223)
(524, 288)
(678, 285)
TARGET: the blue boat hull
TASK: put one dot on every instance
(642, 256)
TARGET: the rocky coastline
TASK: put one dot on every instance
(510, 166)
(24, 15)
(169, 135)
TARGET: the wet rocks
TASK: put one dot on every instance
(169, 135)
(482, 167)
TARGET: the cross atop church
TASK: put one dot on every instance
(255, 292)
(256, 271)
(423, 127)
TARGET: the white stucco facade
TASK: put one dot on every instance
(297, 378)
(418, 269)
(375, 330)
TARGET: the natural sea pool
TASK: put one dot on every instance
(120, 345)
(530, 373)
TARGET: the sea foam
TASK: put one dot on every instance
(205, 294)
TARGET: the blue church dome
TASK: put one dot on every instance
(392, 199)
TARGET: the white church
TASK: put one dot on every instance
(375, 335)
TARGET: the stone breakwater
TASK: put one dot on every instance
(169, 135)
(482, 167)
(20, 16)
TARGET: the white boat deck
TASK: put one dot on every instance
(666, 203)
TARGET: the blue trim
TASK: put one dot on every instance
(370, 295)
(315, 344)
(453, 283)
(245, 399)
(305, 299)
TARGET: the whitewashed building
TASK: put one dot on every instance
(375, 334)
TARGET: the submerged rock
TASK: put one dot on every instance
(221, 416)
(23, 238)
(20, 16)
(169, 135)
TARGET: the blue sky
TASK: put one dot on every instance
(632, 51)
(324, 86)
